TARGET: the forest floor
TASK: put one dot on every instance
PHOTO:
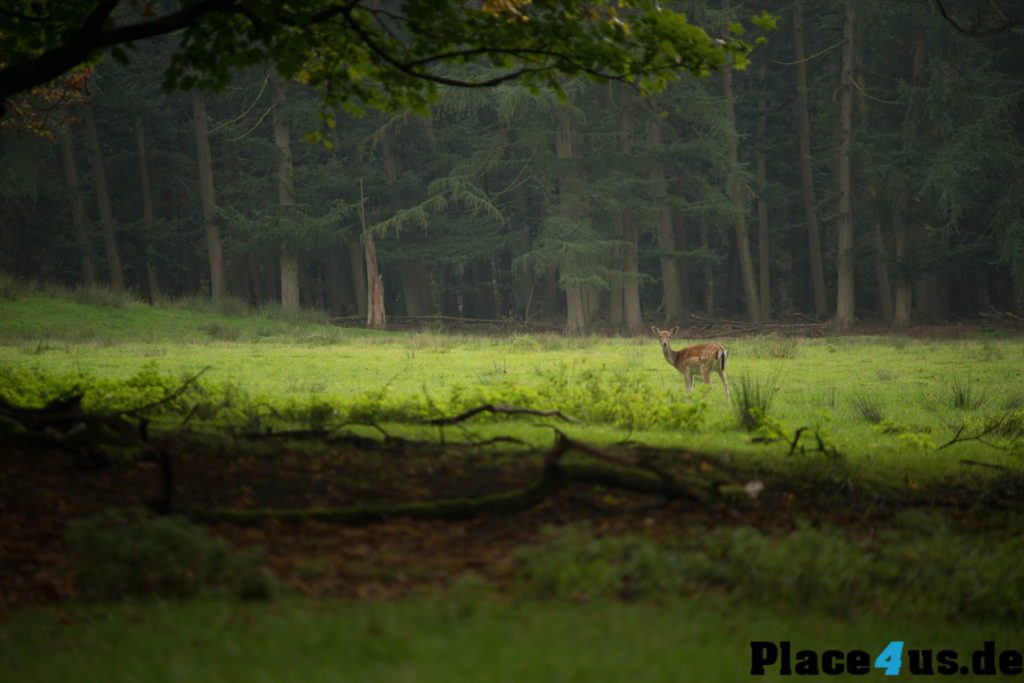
(46, 488)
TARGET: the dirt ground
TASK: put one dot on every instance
(46, 488)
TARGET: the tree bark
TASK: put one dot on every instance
(707, 271)
(152, 278)
(78, 215)
(207, 195)
(286, 199)
(746, 263)
(806, 169)
(103, 198)
(882, 276)
(844, 221)
(631, 322)
(415, 280)
(671, 287)
(357, 263)
(763, 243)
(375, 314)
(577, 311)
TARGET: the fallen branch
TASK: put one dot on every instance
(503, 409)
(554, 476)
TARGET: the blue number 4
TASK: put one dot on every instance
(890, 658)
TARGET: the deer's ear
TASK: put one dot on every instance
(654, 330)
(674, 330)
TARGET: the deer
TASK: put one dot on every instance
(704, 357)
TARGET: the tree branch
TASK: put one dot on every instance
(504, 409)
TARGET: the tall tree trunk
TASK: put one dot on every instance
(286, 199)
(78, 215)
(615, 278)
(746, 263)
(903, 298)
(357, 264)
(671, 286)
(707, 271)
(844, 221)
(415, 281)
(577, 310)
(375, 314)
(882, 276)
(103, 198)
(763, 244)
(152, 278)
(208, 197)
(631, 319)
(806, 170)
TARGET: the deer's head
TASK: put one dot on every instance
(664, 335)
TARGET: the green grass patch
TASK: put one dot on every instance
(457, 635)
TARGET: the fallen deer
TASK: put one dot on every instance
(704, 357)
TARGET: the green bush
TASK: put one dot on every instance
(117, 555)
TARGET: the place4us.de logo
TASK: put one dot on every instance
(767, 657)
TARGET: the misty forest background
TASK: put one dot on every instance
(867, 166)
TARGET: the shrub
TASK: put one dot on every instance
(117, 555)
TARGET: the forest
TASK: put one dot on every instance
(865, 166)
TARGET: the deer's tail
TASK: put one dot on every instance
(723, 355)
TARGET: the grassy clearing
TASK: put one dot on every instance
(887, 400)
(883, 404)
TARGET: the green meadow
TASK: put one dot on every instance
(889, 411)
(891, 400)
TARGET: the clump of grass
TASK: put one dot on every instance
(752, 400)
(869, 407)
(524, 343)
(774, 346)
(13, 288)
(103, 297)
(1012, 403)
(963, 395)
(221, 332)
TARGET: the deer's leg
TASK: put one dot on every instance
(721, 373)
(688, 376)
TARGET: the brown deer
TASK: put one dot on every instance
(703, 357)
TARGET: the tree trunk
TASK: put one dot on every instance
(152, 278)
(374, 286)
(286, 199)
(763, 244)
(806, 171)
(577, 310)
(672, 290)
(375, 315)
(707, 271)
(357, 263)
(103, 198)
(631, 321)
(207, 195)
(844, 221)
(78, 215)
(903, 299)
(415, 282)
(746, 263)
(882, 277)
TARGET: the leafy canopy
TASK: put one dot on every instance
(385, 54)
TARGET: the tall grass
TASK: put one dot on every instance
(752, 399)
(869, 407)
